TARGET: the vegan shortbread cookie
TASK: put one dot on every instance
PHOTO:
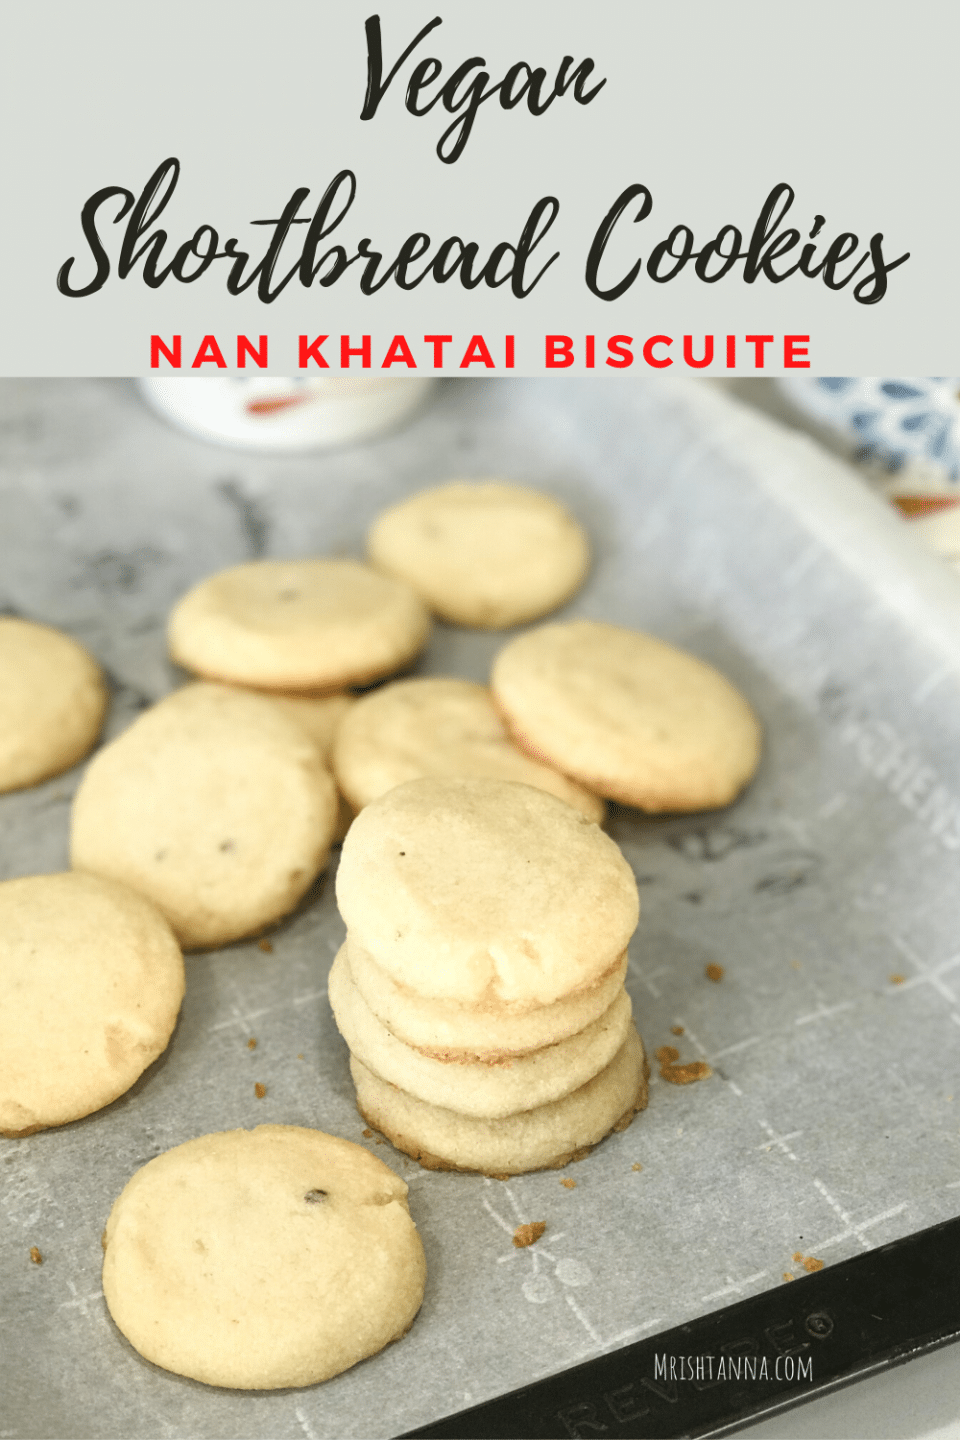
(262, 1258)
(215, 805)
(485, 891)
(440, 727)
(483, 553)
(478, 1088)
(488, 1030)
(541, 1139)
(480, 988)
(628, 716)
(91, 980)
(52, 702)
(300, 625)
(320, 715)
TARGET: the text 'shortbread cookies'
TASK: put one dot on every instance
(52, 702)
(490, 1030)
(479, 1088)
(262, 1258)
(298, 625)
(540, 1139)
(413, 728)
(627, 715)
(485, 891)
(91, 980)
(215, 805)
(483, 553)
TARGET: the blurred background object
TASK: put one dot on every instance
(274, 413)
(901, 433)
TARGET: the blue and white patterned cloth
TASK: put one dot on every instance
(898, 425)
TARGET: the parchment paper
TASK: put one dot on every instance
(828, 893)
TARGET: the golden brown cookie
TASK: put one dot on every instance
(476, 1087)
(298, 625)
(213, 804)
(485, 892)
(262, 1258)
(320, 715)
(540, 1139)
(414, 728)
(491, 1030)
(628, 716)
(52, 702)
(483, 553)
(91, 980)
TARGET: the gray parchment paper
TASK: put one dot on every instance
(832, 1121)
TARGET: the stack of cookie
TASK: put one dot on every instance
(480, 988)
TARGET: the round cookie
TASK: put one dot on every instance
(321, 716)
(52, 702)
(491, 1031)
(213, 804)
(541, 1139)
(483, 553)
(262, 1258)
(627, 715)
(413, 728)
(485, 892)
(91, 980)
(481, 1088)
(298, 625)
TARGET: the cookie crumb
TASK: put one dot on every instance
(898, 979)
(525, 1235)
(808, 1262)
(676, 1029)
(568, 1184)
(796, 966)
(251, 1043)
(715, 973)
(259, 1090)
(300, 1056)
(676, 1074)
(686, 1074)
(265, 946)
(788, 1276)
(636, 1165)
(37, 1258)
(368, 1134)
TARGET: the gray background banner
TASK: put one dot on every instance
(708, 106)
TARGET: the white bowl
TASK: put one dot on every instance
(285, 414)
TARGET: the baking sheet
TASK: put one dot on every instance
(832, 1122)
